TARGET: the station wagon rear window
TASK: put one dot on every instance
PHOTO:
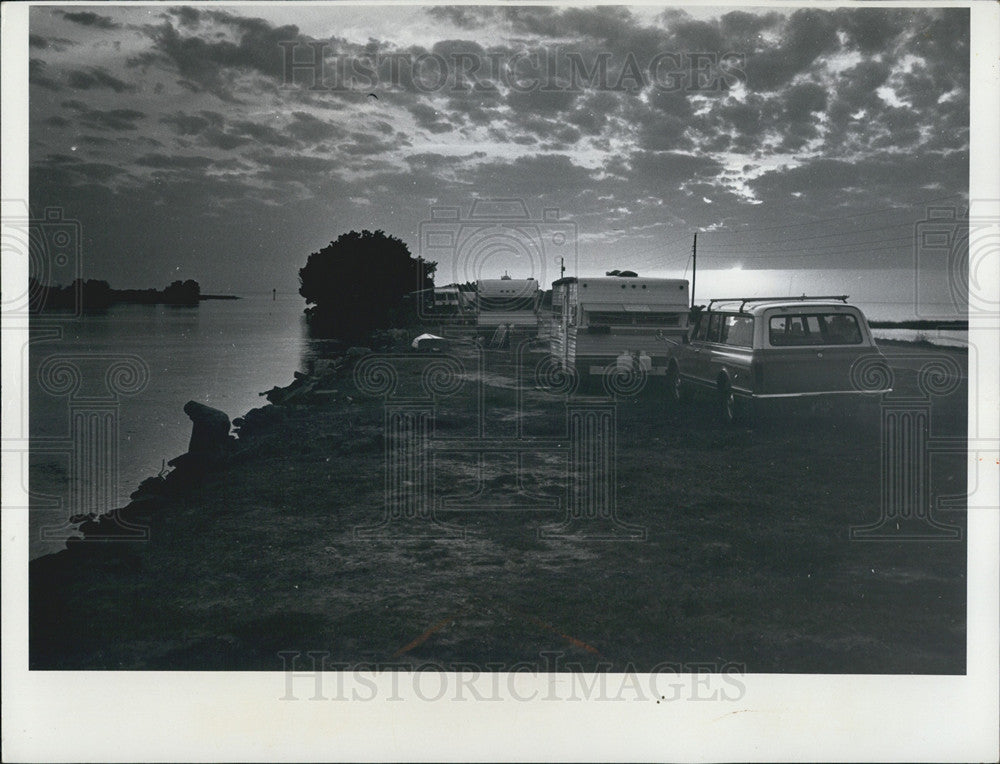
(814, 329)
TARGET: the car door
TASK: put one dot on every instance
(732, 354)
(700, 348)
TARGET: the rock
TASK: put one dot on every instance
(210, 429)
(324, 366)
(189, 469)
(151, 486)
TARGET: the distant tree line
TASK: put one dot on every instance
(357, 284)
(92, 294)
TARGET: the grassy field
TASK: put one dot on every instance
(745, 556)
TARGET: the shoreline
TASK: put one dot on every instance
(302, 384)
(255, 550)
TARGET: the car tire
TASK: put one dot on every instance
(675, 388)
(727, 405)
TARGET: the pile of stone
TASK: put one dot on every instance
(322, 382)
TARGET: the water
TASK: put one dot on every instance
(943, 337)
(221, 353)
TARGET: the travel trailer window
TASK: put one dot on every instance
(614, 318)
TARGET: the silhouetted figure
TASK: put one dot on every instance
(209, 431)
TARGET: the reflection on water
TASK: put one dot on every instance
(222, 353)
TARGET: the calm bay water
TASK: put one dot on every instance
(958, 338)
(221, 353)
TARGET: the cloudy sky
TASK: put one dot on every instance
(794, 140)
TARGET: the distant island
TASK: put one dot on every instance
(93, 294)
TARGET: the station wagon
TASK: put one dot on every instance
(748, 350)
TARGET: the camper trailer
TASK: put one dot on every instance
(616, 321)
(507, 302)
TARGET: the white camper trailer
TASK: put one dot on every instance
(616, 321)
(507, 302)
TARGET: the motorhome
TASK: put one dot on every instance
(507, 302)
(616, 321)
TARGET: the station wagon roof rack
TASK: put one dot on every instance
(744, 300)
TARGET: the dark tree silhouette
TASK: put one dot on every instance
(357, 283)
(182, 293)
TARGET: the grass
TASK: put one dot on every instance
(747, 556)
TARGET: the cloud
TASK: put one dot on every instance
(38, 77)
(538, 175)
(310, 129)
(163, 161)
(807, 35)
(89, 19)
(870, 30)
(110, 119)
(672, 167)
(849, 109)
(191, 124)
(209, 63)
(97, 78)
(430, 118)
(186, 16)
(262, 133)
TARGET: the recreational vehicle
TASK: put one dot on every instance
(617, 321)
(507, 302)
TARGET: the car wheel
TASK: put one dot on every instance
(675, 393)
(727, 405)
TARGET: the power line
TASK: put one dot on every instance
(820, 248)
(763, 256)
(857, 214)
(823, 235)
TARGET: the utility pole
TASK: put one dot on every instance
(694, 265)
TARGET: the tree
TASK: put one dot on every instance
(182, 293)
(357, 283)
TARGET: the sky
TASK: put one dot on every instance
(805, 146)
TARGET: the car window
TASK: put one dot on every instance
(841, 329)
(714, 328)
(738, 330)
(702, 330)
(814, 329)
